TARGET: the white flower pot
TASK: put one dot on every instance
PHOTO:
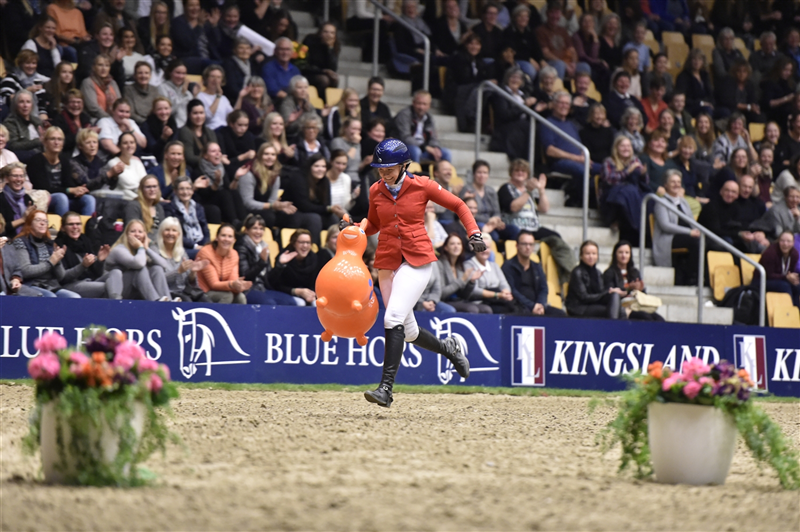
(690, 444)
(108, 440)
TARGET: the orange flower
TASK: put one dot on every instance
(655, 369)
(745, 377)
(121, 336)
(99, 357)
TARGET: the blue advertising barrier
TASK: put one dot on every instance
(239, 343)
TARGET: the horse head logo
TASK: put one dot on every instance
(196, 340)
(458, 328)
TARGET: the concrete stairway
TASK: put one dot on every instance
(679, 302)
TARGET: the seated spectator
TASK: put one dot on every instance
(215, 189)
(296, 269)
(85, 266)
(694, 174)
(783, 216)
(128, 44)
(10, 271)
(631, 125)
(763, 61)
(683, 120)
(40, 260)
(160, 127)
(119, 122)
(239, 68)
(705, 136)
(581, 101)
(254, 265)
(457, 283)
(328, 250)
(660, 66)
(342, 192)
(488, 30)
(722, 215)
(597, 135)
(619, 99)
(777, 90)
(89, 170)
(26, 76)
(223, 33)
(348, 106)
(15, 203)
(51, 170)
(739, 166)
(622, 274)
(563, 156)
(190, 214)
(99, 90)
(174, 89)
(736, 136)
(322, 59)
(220, 280)
(236, 141)
(189, 38)
(655, 160)
(417, 130)
(180, 271)
(491, 287)
(587, 296)
(154, 26)
(527, 279)
(671, 233)
(587, 46)
(447, 31)
(72, 119)
(765, 178)
(433, 227)
(275, 134)
(127, 181)
(725, 55)
(788, 178)
(610, 41)
(443, 173)
(256, 103)
(349, 142)
(654, 104)
(195, 135)
(147, 206)
(672, 12)
(624, 183)
(638, 44)
(371, 104)
(25, 129)
(407, 42)
(486, 199)
(544, 92)
(520, 37)
(695, 83)
(278, 72)
(556, 44)
(466, 71)
(296, 107)
(374, 134)
(431, 298)
(217, 105)
(162, 58)
(630, 65)
(772, 136)
(789, 145)
(666, 124)
(70, 25)
(780, 264)
(102, 43)
(62, 81)
(141, 94)
(511, 133)
(737, 93)
(519, 208)
(310, 193)
(259, 187)
(751, 209)
(6, 156)
(280, 24)
(309, 143)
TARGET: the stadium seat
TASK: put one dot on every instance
(672, 37)
(775, 301)
(748, 269)
(511, 249)
(544, 253)
(715, 259)
(652, 220)
(313, 97)
(442, 76)
(212, 231)
(415, 168)
(286, 235)
(756, 131)
(742, 47)
(725, 277)
(273, 252)
(332, 96)
(787, 318)
(677, 53)
(84, 219)
(652, 43)
(323, 236)
(193, 78)
(553, 287)
(54, 222)
(498, 257)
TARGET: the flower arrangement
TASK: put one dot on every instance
(299, 54)
(718, 385)
(95, 389)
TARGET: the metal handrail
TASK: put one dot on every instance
(538, 118)
(426, 75)
(701, 262)
(326, 10)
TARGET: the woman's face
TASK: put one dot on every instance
(89, 146)
(623, 256)
(122, 113)
(474, 47)
(673, 185)
(66, 74)
(178, 76)
(786, 73)
(170, 235)
(589, 255)
(214, 81)
(612, 27)
(16, 179)
(54, 143)
(786, 243)
(136, 230)
(454, 246)
(727, 42)
(225, 238)
(243, 51)
(625, 149)
(633, 123)
(548, 84)
(174, 156)
(128, 145)
(481, 175)
(632, 61)
(587, 24)
(72, 226)
(772, 133)
(143, 76)
(29, 67)
(519, 176)
(766, 158)
(185, 191)
(49, 29)
(598, 117)
(192, 8)
(301, 90)
(256, 92)
(666, 121)
(661, 64)
(106, 37)
(658, 145)
(742, 74)
(703, 125)
(276, 127)
(256, 233)
(339, 164)
(128, 40)
(328, 34)
(231, 18)
(352, 103)
(282, 26)
(318, 169)
(3, 141)
(214, 153)
(39, 224)
(163, 110)
(151, 190)
(24, 104)
(241, 125)
(740, 159)
(269, 157)
(101, 69)
(198, 115)
(302, 246)
(353, 133)
(165, 47)
(515, 82)
(687, 151)
(697, 63)
(377, 133)
(74, 106)
(311, 131)
(160, 15)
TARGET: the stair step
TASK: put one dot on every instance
(463, 159)
(573, 235)
(350, 53)
(459, 141)
(304, 19)
(672, 290)
(357, 68)
(688, 314)
(658, 276)
(394, 87)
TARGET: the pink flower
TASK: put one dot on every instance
(155, 383)
(145, 364)
(165, 369)
(50, 342)
(44, 367)
(669, 381)
(692, 388)
(124, 361)
(129, 349)
(695, 367)
(77, 360)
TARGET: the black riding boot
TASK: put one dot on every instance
(450, 348)
(393, 353)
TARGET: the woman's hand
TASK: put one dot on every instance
(619, 291)
(102, 253)
(264, 255)
(79, 191)
(58, 254)
(246, 156)
(661, 191)
(430, 306)
(287, 257)
(695, 233)
(304, 293)
(166, 133)
(338, 211)
(288, 151)
(474, 275)
(284, 206)
(506, 295)
(88, 260)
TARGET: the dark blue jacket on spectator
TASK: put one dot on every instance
(549, 138)
(514, 271)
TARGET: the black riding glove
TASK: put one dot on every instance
(476, 243)
(344, 223)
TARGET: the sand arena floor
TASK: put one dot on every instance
(330, 461)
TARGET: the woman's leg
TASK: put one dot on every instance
(240, 299)
(270, 297)
(143, 283)
(67, 294)
(216, 296)
(159, 280)
(88, 289)
(42, 291)
(445, 308)
(59, 203)
(84, 205)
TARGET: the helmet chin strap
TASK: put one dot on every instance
(403, 168)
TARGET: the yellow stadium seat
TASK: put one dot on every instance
(544, 254)
(54, 222)
(676, 54)
(726, 276)
(323, 236)
(193, 78)
(742, 47)
(286, 235)
(757, 45)
(498, 257)
(558, 85)
(511, 249)
(672, 37)
(415, 168)
(273, 252)
(775, 301)
(748, 269)
(333, 95)
(84, 219)
(553, 291)
(787, 318)
(313, 97)
(702, 41)
(442, 76)
(652, 44)
(715, 259)
(212, 231)
(756, 131)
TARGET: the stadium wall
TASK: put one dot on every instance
(238, 343)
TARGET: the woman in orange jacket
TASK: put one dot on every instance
(405, 258)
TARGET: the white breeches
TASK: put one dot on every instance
(401, 290)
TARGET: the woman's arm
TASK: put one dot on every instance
(122, 259)
(247, 186)
(452, 202)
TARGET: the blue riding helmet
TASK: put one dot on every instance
(390, 152)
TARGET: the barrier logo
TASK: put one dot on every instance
(527, 352)
(751, 354)
(468, 335)
(196, 339)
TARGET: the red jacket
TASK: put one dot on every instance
(401, 221)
